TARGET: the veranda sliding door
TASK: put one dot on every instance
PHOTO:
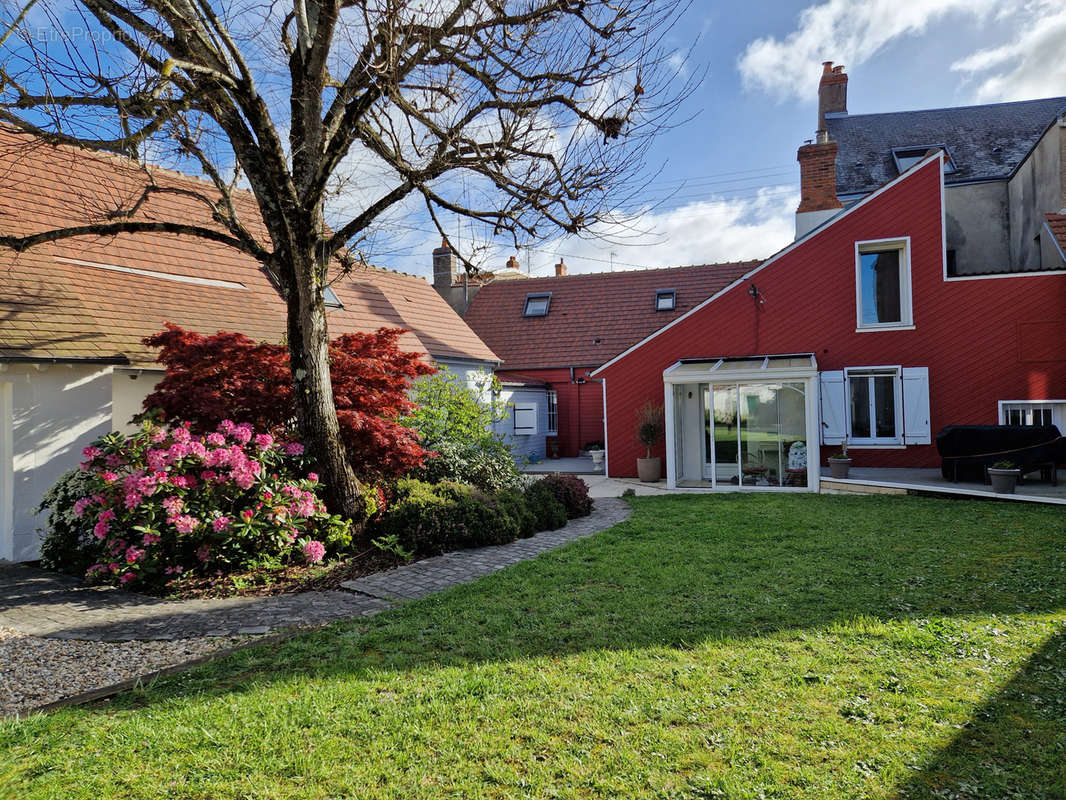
(750, 432)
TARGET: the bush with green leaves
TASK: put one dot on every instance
(430, 518)
(549, 513)
(455, 423)
(571, 492)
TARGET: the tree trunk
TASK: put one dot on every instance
(313, 392)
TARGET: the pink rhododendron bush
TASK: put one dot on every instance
(151, 509)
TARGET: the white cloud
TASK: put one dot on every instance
(709, 231)
(848, 32)
(1031, 65)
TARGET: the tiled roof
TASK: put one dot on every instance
(592, 317)
(97, 297)
(985, 142)
(1057, 225)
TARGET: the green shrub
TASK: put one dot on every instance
(427, 518)
(571, 492)
(69, 544)
(455, 423)
(549, 513)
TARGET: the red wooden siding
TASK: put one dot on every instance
(982, 340)
(580, 405)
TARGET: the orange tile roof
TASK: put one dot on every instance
(592, 317)
(1057, 225)
(97, 297)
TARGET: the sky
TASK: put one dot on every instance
(728, 185)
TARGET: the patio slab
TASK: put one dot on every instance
(930, 481)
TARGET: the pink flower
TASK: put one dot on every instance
(133, 499)
(294, 449)
(268, 496)
(314, 551)
(158, 435)
(127, 577)
(174, 505)
(226, 426)
(94, 569)
(114, 460)
(208, 475)
(100, 530)
(197, 449)
(216, 439)
(247, 513)
(133, 554)
(203, 552)
(81, 504)
(150, 538)
(313, 477)
(182, 435)
(117, 546)
(264, 440)
(109, 477)
(184, 523)
(220, 524)
(174, 570)
(106, 515)
(243, 433)
(91, 452)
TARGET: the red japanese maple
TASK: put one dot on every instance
(231, 376)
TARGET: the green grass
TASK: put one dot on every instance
(711, 647)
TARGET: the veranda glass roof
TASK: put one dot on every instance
(730, 368)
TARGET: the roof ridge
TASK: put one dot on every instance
(643, 270)
(952, 108)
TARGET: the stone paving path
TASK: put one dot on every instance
(42, 603)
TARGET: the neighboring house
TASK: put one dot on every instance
(73, 313)
(553, 332)
(905, 305)
(459, 288)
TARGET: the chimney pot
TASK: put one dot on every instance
(512, 262)
(560, 269)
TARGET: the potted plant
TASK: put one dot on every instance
(840, 463)
(595, 451)
(1004, 476)
(650, 432)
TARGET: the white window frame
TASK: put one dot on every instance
(868, 373)
(553, 412)
(906, 305)
(1057, 407)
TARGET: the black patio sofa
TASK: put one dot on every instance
(966, 451)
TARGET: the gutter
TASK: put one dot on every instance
(114, 360)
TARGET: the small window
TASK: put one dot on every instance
(537, 305)
(1028, 414)
(553, 412)
(882, 285)
(907, 157)
(666, 300)
(331, 299)
(874, 407)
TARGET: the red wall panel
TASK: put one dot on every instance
(580, 406)
(982, 340)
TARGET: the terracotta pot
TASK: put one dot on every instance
(1003, 480)
(649, 469)
(838, 467)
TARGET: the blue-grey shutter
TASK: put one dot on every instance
(833, 405)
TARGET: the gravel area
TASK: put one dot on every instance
(35, 671)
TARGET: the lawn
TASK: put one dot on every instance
(725, 646)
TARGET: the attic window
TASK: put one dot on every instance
(907, 157)
(666, 299)
(331, 299)
(537, 305)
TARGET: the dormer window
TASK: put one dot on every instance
(330, 298)
(666, 299)
(907, 157)
(537, 305)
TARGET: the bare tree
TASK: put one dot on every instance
(529, 117)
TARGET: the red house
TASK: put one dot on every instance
(855, 331)
(868, 329)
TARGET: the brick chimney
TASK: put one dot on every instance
(832, 93)
(445, 272)
(818, 184)
(512, 263)
(560, 269)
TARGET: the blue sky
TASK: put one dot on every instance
(758, 103)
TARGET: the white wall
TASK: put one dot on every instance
(56, 410)
(129, 387)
